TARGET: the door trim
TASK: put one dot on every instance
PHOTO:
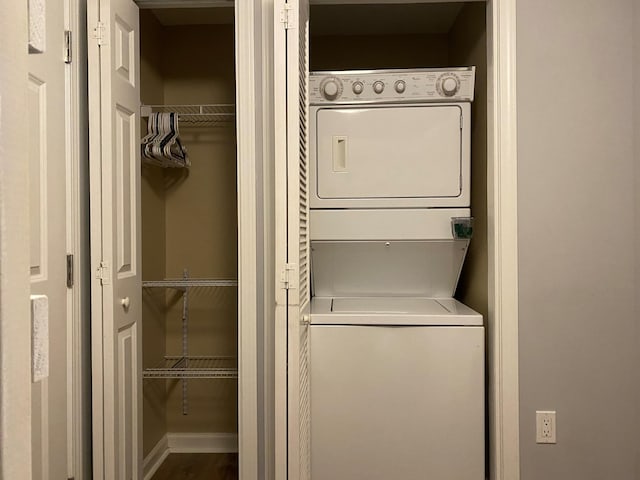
(502, 192)
(15, 320)
(250, 256)
(78, 308)
(504, 449)
(95, 214)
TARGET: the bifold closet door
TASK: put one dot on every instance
(114, 96)
(292, 240)
(51, 444)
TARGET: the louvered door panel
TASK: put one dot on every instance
(299, 464)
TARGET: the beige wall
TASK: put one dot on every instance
(577, 240)
(340, 52)
(464, 44)
(468, 46)
(153, 241)
(201, 225)
(190, 222)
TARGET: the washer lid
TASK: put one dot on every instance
(425, 268)
(392, 311)
(389, 305)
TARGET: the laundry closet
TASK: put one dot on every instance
(378, 207)
(413, 36)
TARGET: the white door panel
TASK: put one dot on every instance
(48, 226)
(397, 402)
(389, 152)
(292, 241)
(115, 174)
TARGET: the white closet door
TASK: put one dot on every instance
(48, 205)
(292, 240)
(115, 249)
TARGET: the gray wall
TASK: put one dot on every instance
(577, 238)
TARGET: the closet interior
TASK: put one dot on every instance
(380, 36)
(419, 35)
(189, 242)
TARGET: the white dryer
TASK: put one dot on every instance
(391, 139)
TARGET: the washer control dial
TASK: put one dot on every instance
(448, 85)
(331, 88)
(400, 86)
(378, 87)
(358, 88)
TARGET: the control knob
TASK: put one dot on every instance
(400, 86)
(378, 87)
(330, 89)
(358, 87)
(450, 86)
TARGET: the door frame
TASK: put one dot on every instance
(250, 258)
(502, 193)
(78, 299)
(251, 253)
(15, 318)
(502, 202)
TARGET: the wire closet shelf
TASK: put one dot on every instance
(207, 115)
(194, 367)
(187, 366)
(181, 283)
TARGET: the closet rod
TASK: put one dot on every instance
(203, 115)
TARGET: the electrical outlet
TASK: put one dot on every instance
(545, 426)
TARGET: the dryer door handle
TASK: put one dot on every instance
(340, 153)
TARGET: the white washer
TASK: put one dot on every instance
(397, 389)
(397, 378)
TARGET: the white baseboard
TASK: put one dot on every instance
(203, 442)
(187, 443)
(155, 458)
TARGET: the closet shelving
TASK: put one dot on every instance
(207, 115)
(187, 366)
(194, 367)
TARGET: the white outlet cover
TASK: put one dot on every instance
(546, 426)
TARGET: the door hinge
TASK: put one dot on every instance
(67, 46)
(69, 271)
(289, 16)
(103, 273)
(99, 33)
(289, 276)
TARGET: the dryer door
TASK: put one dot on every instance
(390, 153)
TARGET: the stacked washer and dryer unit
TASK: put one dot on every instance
(397, 364)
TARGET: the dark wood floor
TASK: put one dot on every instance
(199, 466)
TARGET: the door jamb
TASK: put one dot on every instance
(250, 256)
(502, 199)
(78, 312)
(15, 320)
(504, 449)
(95, 215)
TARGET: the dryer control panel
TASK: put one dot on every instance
(397, 86)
